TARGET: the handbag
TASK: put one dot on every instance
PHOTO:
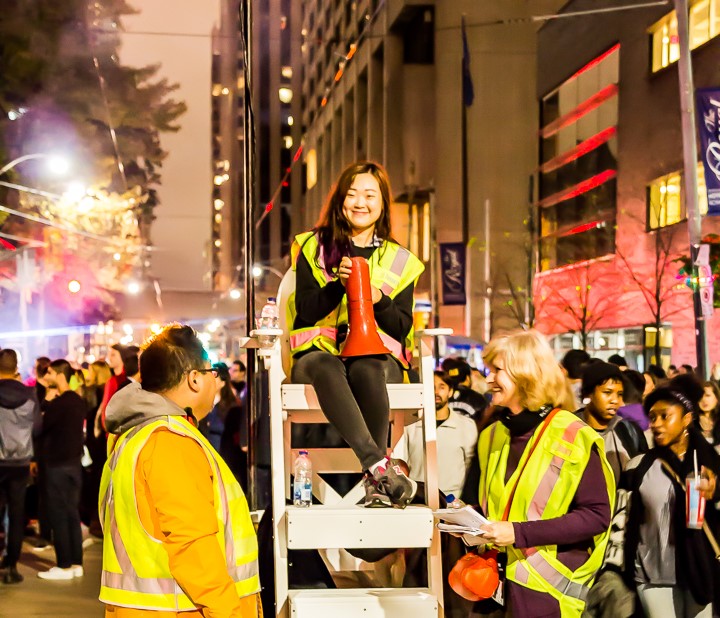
(476, 577)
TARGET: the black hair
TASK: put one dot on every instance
(688, 368)
(167, 356)
(596, 374)
(8, 361)
(618, 360)
(457, 369)
(240, 365)
(684, 390)
(41, 366)
(62, 367)
(131, 363)
(573, 362)
(634, 386)
(445, 378)
(656, 371)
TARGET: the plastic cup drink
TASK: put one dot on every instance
(694, 503)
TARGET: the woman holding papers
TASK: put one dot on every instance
(545, 483)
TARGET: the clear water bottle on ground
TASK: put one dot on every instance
(302, 481)
(270, 314)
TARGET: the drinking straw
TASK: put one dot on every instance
(695, 465)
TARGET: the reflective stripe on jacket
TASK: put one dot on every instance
(136, 571)
(392, 269)
(545, 491)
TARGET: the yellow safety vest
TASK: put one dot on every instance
(392, 269)
(135, 570)
(545, 491)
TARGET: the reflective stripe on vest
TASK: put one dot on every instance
(127, 587)
(396, 268)
(302, 336)
(552, 474)
(550, 574)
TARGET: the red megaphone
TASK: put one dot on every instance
(363, 338)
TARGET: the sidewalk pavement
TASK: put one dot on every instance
(39, 598)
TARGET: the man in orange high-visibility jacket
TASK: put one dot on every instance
(178, 534)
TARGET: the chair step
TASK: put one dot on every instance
(340, 526)
(364, 603)
(303, 397)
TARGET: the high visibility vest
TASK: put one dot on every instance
(545, 491)
(135, 569)
(392, 269)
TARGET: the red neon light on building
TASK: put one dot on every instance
(591, 143)
(581, 110)
(578, 189)
(594, 62)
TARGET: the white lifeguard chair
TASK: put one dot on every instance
(339, 522)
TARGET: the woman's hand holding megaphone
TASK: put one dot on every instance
(343, 273)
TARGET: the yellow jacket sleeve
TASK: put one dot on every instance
(175, 497)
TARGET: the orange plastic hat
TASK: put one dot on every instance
(475, 577)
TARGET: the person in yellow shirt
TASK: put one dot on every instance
(178, 534)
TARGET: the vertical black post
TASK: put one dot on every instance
(249, 250)
(530, 305)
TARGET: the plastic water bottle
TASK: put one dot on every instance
(302, 482)
(270, 314)
(453, 502)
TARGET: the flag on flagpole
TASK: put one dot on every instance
(467, 84)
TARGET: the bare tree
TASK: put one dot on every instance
(583, 301)
(652, 281)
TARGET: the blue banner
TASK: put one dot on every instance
(452, 261)
(708, 111)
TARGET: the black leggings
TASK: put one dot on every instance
(353, 396)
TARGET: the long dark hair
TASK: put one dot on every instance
(333, 228)
(714, 413)
(227, 399)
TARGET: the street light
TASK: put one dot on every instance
(57, 164)
(257, 270)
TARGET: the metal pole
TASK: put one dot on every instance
(249, 251)
(434, 294)
(694, 220)
(466, 220)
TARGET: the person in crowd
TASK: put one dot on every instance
(715, 373)
(603, 389)
(654, 377)
(41, 366)
(19, 419)
(352, 391)
(456, 442)
(617, 359)
(549, 505)
(237, 377)
(114, 361)
(98, 373)
(572, 365)
(213, 425)
(672, 566)
(234, 438)
(709, 412)
(478, 382)
(131, 365)
(464, 400)
(686, 369)
(672, 371)
(634, 386)
(77, 382)
(61, 449)
(179, 525)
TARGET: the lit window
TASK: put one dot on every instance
(290, 121)
(311, 168)
(286, 72)
(218, 218)
(216, 90)
(218, 243)
(666, 204)
(287, 141)
(704, 24)
(285, 94)
(219, 204)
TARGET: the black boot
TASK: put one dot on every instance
(12, 576)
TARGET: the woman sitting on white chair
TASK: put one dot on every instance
(352, 391)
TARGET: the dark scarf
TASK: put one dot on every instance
(696, 568)
(523, 422)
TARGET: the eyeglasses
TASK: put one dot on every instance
(213, 371)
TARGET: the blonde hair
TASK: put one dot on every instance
(101, 371)
(528, 359)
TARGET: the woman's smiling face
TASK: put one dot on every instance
(502, 386)
(363, 203)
